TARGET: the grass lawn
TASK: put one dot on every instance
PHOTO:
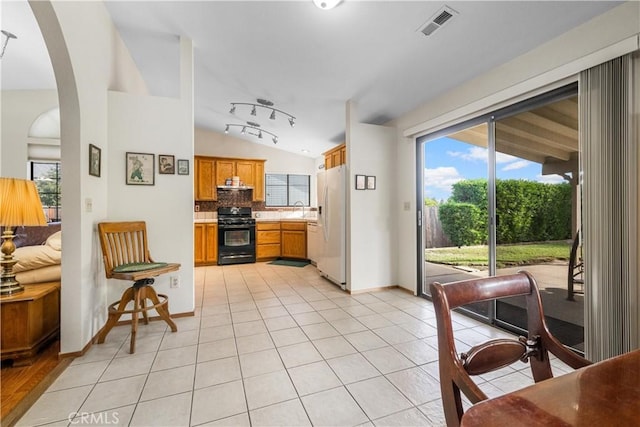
(507, 255)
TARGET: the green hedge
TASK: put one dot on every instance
(462, 223)
(527, 211)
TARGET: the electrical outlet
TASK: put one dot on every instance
(174, 282)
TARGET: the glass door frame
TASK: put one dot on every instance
(490, 119)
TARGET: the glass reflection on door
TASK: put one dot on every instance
(537, 213)
(456, 210)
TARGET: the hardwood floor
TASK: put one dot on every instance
(21, 386)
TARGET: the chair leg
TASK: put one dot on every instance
(134, 319)
(143, 305)
(163, 310)
(114, 315)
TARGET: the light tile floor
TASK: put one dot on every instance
(270, 346)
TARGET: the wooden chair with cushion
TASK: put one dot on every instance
(456, 369)
(126, 257)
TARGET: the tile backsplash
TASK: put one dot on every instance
(240, 198)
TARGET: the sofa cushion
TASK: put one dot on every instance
(55, 241)
(32, 257)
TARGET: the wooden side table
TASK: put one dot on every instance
(30, 321)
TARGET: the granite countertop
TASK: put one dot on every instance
(202, 218)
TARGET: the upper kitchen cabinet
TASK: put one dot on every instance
(335, 157)
(211, 172)
(204, 176)
(258, 186)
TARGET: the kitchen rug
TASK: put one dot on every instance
(289, 263)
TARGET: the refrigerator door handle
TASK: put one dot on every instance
(325, 223)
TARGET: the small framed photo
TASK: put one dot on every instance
(140, 169)
(183, 167)
(95, 159)
(166, 164)
(371, 182)
(360, 182)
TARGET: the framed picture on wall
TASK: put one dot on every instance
(95, 159)
(360, 182)
(183, 167)
(140, 169)
(166, 164)
(371, 182)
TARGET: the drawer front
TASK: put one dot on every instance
(296, 226)
(268, 251)
(267, 226)
(268, 237)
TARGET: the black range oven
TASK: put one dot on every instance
(236, 236)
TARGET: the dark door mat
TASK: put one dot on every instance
(289, 263)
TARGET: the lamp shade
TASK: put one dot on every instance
(20, 203)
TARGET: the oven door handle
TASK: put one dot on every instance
(231, 227)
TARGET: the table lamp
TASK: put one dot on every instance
(19, 205)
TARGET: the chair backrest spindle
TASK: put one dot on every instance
(123, 243)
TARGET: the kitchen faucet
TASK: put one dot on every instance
(300, 204)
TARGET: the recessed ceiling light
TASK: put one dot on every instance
(326, 4)
(304, 150)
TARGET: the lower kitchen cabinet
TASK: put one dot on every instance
(267, 240)
(294, 240)
(205, 241)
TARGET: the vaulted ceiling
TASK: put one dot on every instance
(309, 62)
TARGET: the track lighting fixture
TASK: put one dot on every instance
(266, 104)
(252, 126)
(6, 35)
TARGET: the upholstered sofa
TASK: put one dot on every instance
(39, 253)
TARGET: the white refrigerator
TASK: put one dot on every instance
(332, 212)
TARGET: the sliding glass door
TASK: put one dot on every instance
(537, 215)
(501, 195)
(455, 209)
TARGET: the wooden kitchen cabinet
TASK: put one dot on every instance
(246, 171)
(205, 243)
(335, 157)
(267, 240)
(204, 177)
(250, 172)
(294, 239)
(224, 169)
(258, 186)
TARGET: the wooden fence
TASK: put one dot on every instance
(434, 236)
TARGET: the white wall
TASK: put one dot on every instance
(553, 61)
(209, 143)
(88, 60)
(19, 109)
(159, 126)
(371, 238)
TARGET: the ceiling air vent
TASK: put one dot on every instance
(437, 20)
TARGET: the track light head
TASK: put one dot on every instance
(275, 139)
(292, 121)
(226, 129)
(244, 130)
(233, 109)
(253, 111)
(273, 115)
(259, 134)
